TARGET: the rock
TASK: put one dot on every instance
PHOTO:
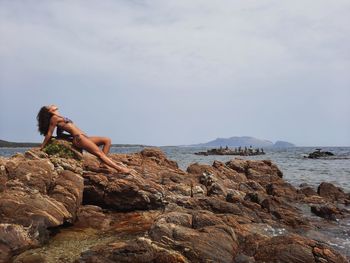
(331, 192)
(216, 242)
(282, 189)
(241, 258)
(63, 149)
(68, 190)
(92, 216)
(159, 157)
(238, 211)
(307, 190)
(284, 212)
(37, 197)
(141, 250)
(14, 239)
(329, 212)
(294, 248)
(36, 174)
(123, 194)
(3, 174)
(255, 197)
(319, 154)
(227, 151)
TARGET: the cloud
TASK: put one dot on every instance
(244, 59)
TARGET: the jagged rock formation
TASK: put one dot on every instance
(239, 211)
(319, 154)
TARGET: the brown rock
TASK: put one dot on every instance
(123, 194)
(92, 216)
(159, 157)
(294, 248)
(307, 190)
(331, 192)
(215, 243)
(3, 174)
(282, 189)
(68, 190)
(284, 212)
(14, 239)
(328, 211)
(140, 250)
(36, 174)
(37, 197)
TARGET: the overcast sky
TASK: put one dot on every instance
(178, 72)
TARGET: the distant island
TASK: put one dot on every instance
(8, 144)
(18, 144)
(244, 141)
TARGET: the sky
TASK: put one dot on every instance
(178, 72)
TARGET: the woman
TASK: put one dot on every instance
(49, 118)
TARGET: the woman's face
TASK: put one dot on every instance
(52, 108)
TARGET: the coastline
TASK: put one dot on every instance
(241, 209)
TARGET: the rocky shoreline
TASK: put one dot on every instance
(65, 208)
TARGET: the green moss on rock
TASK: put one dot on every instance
(63, 149)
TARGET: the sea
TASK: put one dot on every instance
(296, 169)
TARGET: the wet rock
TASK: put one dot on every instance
(319, 154)
(307, 190)
(140, 250)
(330, 212)
(255, 197)
(284, 212)
(331, 192)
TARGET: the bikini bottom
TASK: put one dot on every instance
(77, 139)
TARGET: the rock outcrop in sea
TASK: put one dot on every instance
(319, 154)
(239, 211)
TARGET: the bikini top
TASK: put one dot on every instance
(59, 131)
(64, 120)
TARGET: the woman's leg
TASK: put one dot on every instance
(105, 141)
(88, 145)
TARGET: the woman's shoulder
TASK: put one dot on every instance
(54, 119)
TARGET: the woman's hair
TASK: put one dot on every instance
(43, 118)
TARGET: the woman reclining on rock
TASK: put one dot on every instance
(49, 118)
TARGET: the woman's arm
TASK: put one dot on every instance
(49, 132)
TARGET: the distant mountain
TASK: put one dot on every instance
(283, 144)
(18, 144)
(244, 141)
